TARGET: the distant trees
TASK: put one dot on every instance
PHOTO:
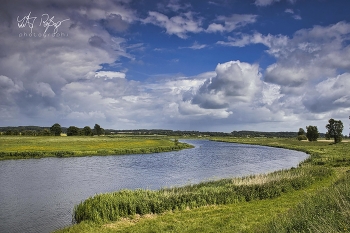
(29, 133)
(301, 131)
(73, 131)
(87, 131)
(56, 129)
(45, 132)
(301, 134)
(335, 130)
(98, 130)
(312, 133)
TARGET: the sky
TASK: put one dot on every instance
(219, 65)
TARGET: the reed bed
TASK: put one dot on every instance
(127, 203)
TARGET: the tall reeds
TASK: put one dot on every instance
(125, 203)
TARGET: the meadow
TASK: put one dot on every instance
(21, 147)
(313, 197)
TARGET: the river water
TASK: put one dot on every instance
(38, 195)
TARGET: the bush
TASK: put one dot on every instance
(302, 137)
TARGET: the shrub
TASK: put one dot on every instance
(302, 137)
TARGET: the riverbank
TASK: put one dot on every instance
(22, 147)
(267, 200)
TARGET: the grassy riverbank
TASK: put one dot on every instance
(276, 202)
(21, 147)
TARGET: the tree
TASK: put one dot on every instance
(312, 133)
(335, 130)
(97, 129)
(56, 129)
(73, 131)
(87, 131)
(301, 131)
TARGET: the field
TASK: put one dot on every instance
(19, 147)
(314, 197)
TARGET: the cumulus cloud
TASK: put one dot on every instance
(309, 78)
(311, 54)
(62, 78)
(45, 62)
(328, 95)
(235, 82)
(311, 74)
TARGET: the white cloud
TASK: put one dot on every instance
(329, 95)
(295, 16)
(275, 43)
(175, 5)
(195, 46)
(179, 25)
(44, 89)
(40, 67)
(234, 82)
(270, 2)
(311, 55)
(109, 74)
(231, 23)
(265, 2)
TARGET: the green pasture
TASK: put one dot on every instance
(314, 197)
(19, 147)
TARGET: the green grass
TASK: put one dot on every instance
(262, 203)
(327, 211)
(19, 147)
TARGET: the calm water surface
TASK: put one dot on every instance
(38, 195)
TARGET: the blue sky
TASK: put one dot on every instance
(268, 65)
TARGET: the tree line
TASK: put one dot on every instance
(334, 127)
(54, 130)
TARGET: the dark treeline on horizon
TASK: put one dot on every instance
(23, 130)
(246, 133)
